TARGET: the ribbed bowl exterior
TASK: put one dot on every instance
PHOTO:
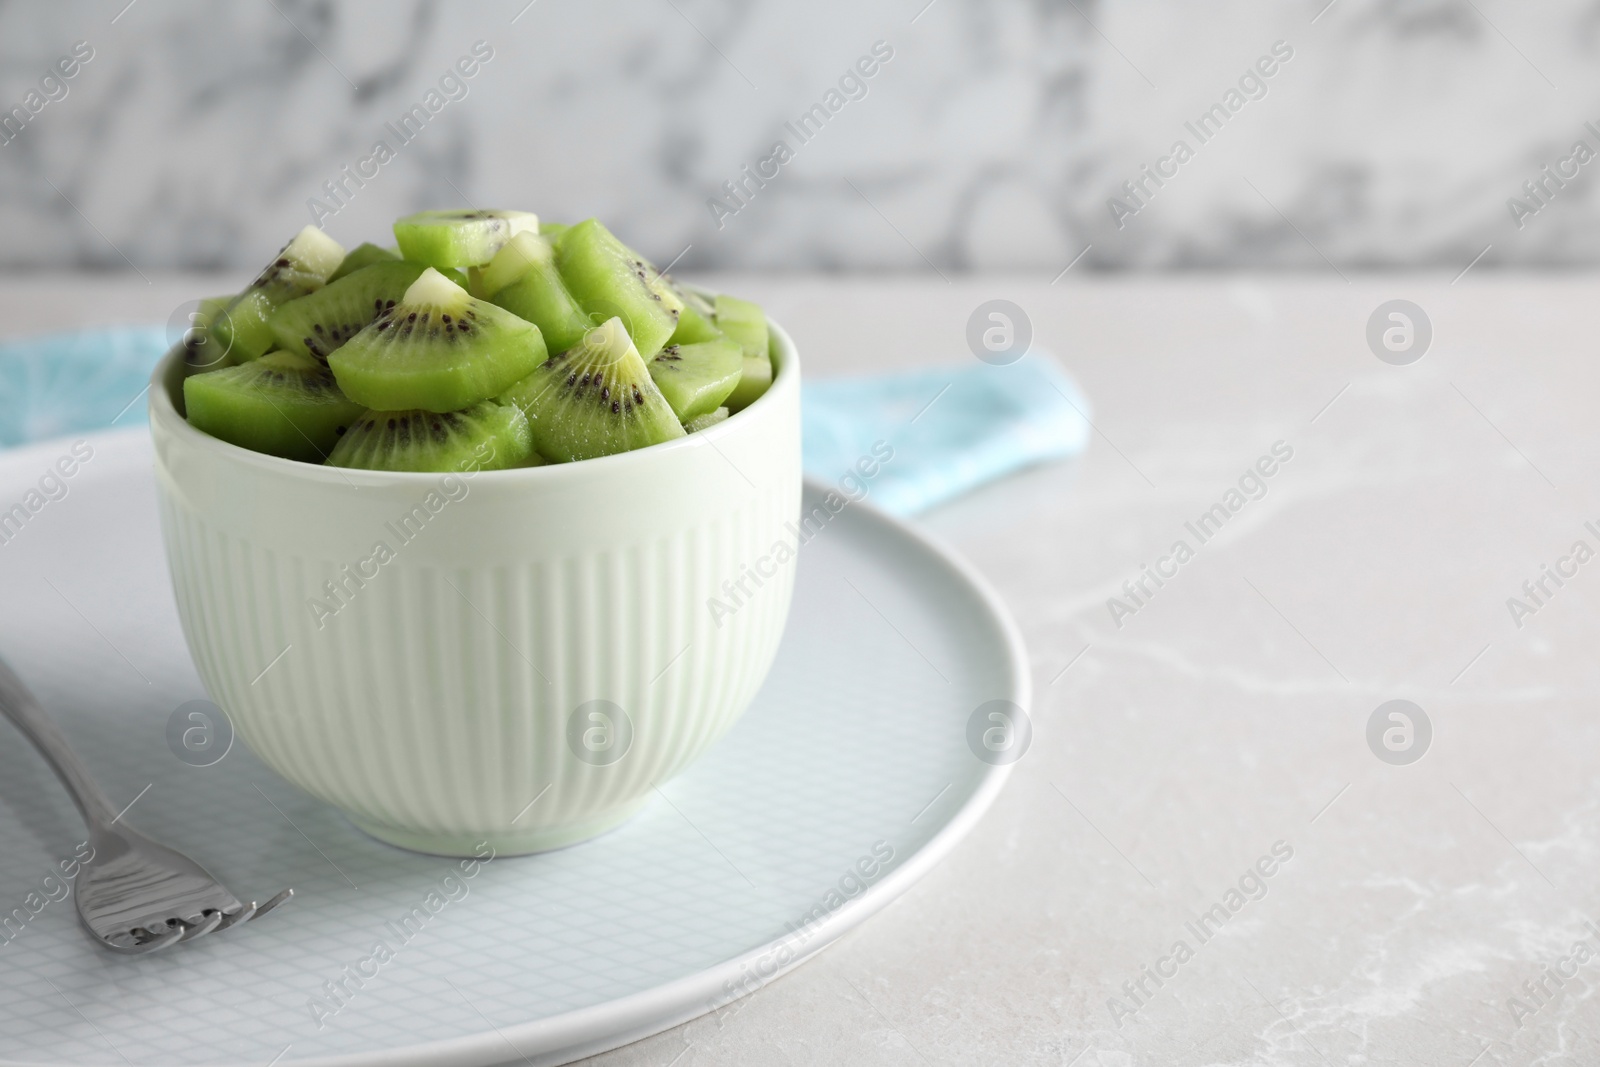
(424, 652)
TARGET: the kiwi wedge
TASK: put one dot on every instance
(515, 258)
(695, 379)
(609, 279)
(282, 404)
(742, 321)
(746, 323)
(485, 436)
(438, 349)
(459, 238)
(522, 278)
(754, 380)
(202, 351)
(554, 230)
(706, 421)
(697, 320)
(317, 323)
(301, 267)
(362, 255)
(595, 399)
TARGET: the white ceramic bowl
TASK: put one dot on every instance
(515, 657)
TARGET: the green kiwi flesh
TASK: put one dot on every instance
(301, 267)
(608, 279)
(202, 350)
(523, 279)
(595, 399)
(742, 321)
(282, 404)
(485, 436)
(471, 343)
(515, 258)
(362, 255)
(318, 323)
(438, 349)
(706, 421)
(755, 380)
(746, 323)
(697, 320)
(695, 379)
(459, 238)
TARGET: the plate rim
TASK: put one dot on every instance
(598, 1028)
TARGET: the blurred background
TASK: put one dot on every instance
(200, 134)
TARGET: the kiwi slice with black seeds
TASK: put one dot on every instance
(302, 267)
(438, 349)
(282, 404)
(459, 238)
(362, 255)
(478, 333)
(522, 278)
(485, 436)
(610, 279)
(706, 421)
(595, 399)
(316, 324)
(695, 379)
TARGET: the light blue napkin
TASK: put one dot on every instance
(950, 429)
(925, 435)
(76, 382)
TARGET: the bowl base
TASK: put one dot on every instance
(504, 842)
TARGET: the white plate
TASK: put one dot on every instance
(856, 745)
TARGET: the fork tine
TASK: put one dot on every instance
(166, 940)
(273, 903)
(202, 928)
(250, 911)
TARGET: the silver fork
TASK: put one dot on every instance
(134, 895)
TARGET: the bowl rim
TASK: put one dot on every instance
(164, 413)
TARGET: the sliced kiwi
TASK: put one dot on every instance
(516, 257)
(459, 238)
(303, 266)
(522, 278)
(742, 321)
(594, 399)
(696, 322)
(437, 349)
(202, 350)
(362, 255)
(696, 379)
(554, 230)
(485, 436)
(610, 279)
(755, 378)
(706, 421)
(317, 323)
(282, 404)
(746, 323)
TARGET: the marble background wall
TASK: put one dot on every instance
(993, 138)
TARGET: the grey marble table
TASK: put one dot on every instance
(1201, 770)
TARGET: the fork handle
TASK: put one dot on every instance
(21, 708)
